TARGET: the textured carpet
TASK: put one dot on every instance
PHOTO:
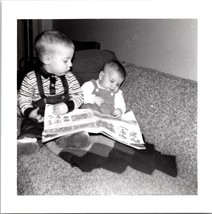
(166, 109)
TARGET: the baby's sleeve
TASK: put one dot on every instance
(119, 101)
(87, 89)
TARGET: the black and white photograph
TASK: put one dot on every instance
(164, 104)
(107, 109)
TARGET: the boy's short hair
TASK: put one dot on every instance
(116, 65)
(45, 40)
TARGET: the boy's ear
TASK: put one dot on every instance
(46, 59)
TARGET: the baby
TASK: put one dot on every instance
(104, 94)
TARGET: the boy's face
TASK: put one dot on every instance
(59, 62)
(110, 79)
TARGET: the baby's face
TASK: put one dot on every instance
(110, 79)
(60, 60)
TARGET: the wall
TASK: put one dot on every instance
(168, 45)
(23, 34)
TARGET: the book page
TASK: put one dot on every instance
(125, 130)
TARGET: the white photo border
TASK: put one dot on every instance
(14, 10)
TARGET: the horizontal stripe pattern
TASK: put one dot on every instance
(29, 90)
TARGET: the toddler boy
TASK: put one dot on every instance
(52, 82)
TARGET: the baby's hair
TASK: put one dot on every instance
(46, 40)
(117, 66)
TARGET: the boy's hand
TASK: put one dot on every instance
(98, 100)
(117, 113)
(60, 108)
(34, 114)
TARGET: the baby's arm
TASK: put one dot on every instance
(119, 105)
(98, 100)
(87, 89)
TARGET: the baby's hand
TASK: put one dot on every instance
(98, 100)
(60, 108)
(117, 113)
(34, 114)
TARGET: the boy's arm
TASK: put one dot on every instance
(75, 93)
(119, 102)
(25, 95)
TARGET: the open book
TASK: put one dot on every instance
(125, 130)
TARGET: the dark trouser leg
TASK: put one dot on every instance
(30, 129)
